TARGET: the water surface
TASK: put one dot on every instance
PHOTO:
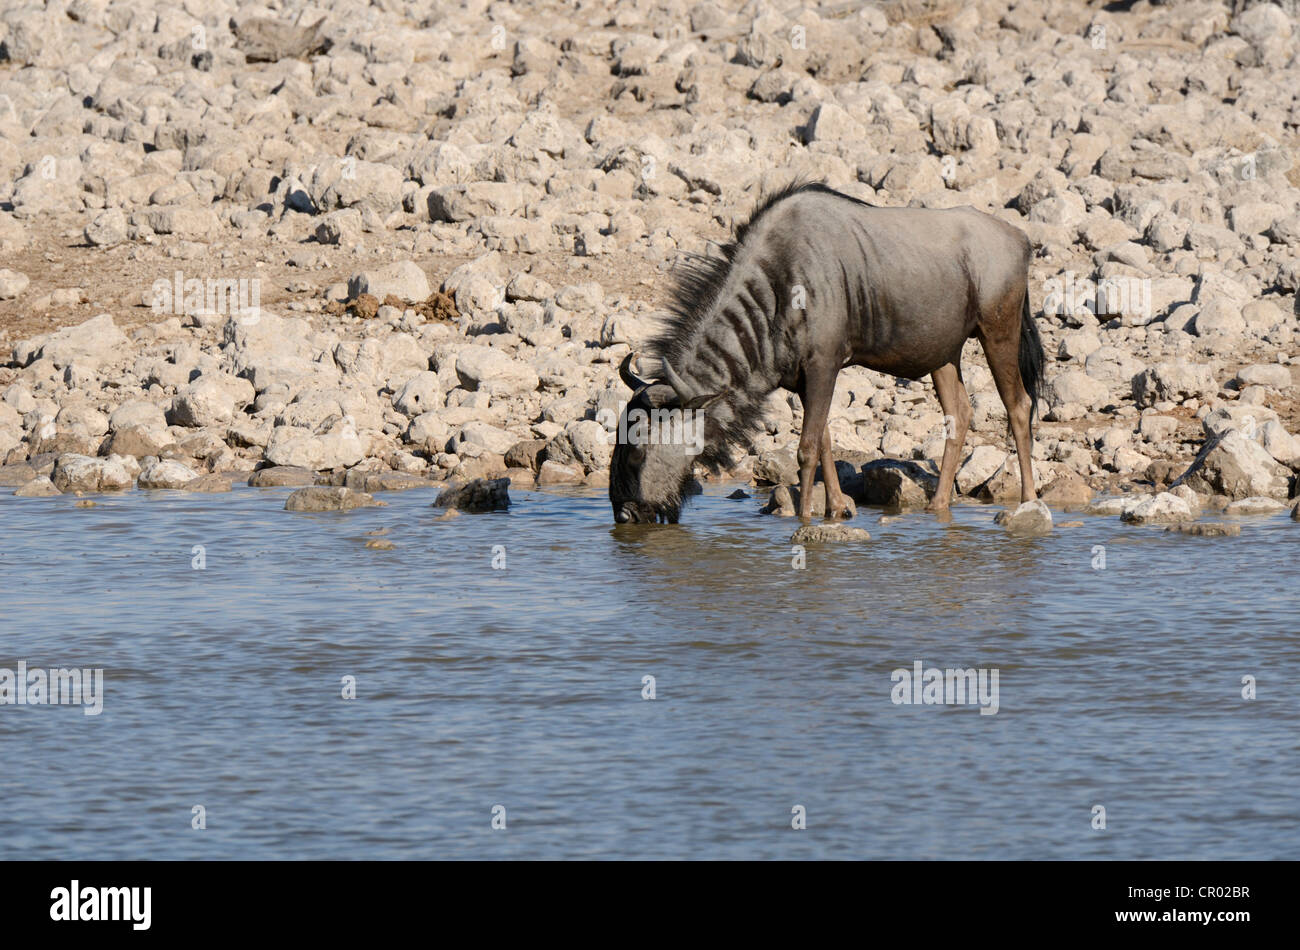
(522, 687)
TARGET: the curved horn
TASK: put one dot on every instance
(669, 374)
(630, 379)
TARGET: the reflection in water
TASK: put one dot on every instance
(523, 686)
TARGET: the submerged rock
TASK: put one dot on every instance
(822, 533)
(1206, 529)
(329, 498)
(481, 494)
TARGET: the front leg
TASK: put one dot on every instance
(819, 387)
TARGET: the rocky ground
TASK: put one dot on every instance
(443, 226)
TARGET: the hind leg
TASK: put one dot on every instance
(837, 506)
(1002, 349)
(956, 419)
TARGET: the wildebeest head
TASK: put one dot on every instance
(659, 436)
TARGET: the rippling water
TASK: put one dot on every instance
(522, 687)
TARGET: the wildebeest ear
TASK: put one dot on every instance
(702, 402)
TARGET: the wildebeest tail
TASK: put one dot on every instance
(1031, 356)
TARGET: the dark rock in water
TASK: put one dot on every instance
(897, 484)
(16, 475)
(329, 498)
(482, 494)
(821, 533)
(1295, 511)
(1206, 529)
(281, 476)
(1031, 519)
(739, 493)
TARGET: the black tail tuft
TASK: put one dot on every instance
(1031, 357)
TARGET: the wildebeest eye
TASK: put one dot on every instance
(636, 454)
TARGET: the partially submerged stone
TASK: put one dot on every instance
(1030, 519)
(481, 494)
(166, 473)
(213, 482)
(38, 487)
(1206, 529)
(329, 498)
(1161, 508)
(1255, 505)
(83, 473)
(823, 533)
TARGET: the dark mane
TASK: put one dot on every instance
(698, 282)
(698, 278)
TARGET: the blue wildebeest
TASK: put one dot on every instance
(816, 281)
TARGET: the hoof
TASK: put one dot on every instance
(846, 510)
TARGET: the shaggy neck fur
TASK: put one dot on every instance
(719, 336)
